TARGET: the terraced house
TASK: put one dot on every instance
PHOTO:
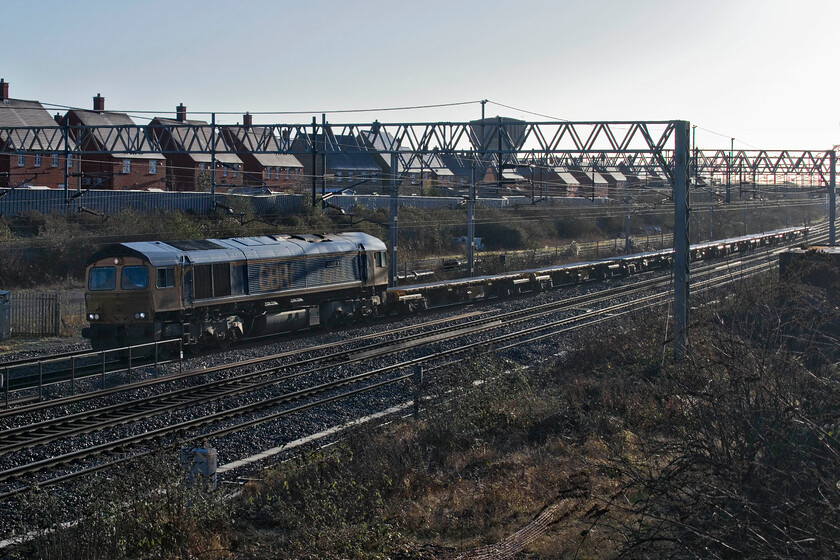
(52, 164)
(129, 167)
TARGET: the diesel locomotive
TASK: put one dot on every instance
(214, 291)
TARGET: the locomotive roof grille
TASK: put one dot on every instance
(195, 245)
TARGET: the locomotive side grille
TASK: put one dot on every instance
(203, 287)
(212, 280)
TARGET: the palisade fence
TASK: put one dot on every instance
(14, 202)
(45, 314)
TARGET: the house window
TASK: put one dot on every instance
(126, 166)
(350, 177)
(55, 160)
(338, 177)
(225, 172)
(21, 160)
(276, 172)
(69, 160)
(297, 172)
(153, 167)
(235, 170)
(268, 173)
(201, 167)
(37, 160)
(287, 173)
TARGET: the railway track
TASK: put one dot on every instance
(498, 332)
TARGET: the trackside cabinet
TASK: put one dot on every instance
(5, 316)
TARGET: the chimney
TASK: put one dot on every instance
(4, 89)
(247, 120)
(181, 113)
(57, 118)
(98, 103)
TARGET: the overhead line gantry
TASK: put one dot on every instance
(635, 145)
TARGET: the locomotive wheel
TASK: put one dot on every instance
(231, 337)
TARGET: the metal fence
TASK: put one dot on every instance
(108, 203)
(46, 201)
(35, 314)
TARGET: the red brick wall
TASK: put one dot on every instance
(41, 175)
(110, 170)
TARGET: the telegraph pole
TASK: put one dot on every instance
(213, 159)
(314, 158)
(681, 239)
(324, 158)
(832, 184)
(392, 225)
(626, 218)
(66, 177)
(729, 171)
(471, 221)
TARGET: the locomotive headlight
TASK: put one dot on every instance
(140, 315)
(93, 316)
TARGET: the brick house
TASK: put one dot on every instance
(464, 168)
(32, 160)
(349, 164)
(120, 169)
(275, 171)
(187, 171)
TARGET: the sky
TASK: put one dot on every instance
(761, 71)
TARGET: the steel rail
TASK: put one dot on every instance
(85, 422)
(553, 329)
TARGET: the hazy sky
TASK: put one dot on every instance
(762, 71)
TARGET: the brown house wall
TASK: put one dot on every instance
(110, 170)
(11, 174)
(184, 174)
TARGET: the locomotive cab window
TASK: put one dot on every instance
(380, 259)
(134, 278)
(102, 278)
(166, 277)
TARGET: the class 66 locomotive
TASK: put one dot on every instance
(215, 291)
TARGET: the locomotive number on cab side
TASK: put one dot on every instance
(274, 276)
